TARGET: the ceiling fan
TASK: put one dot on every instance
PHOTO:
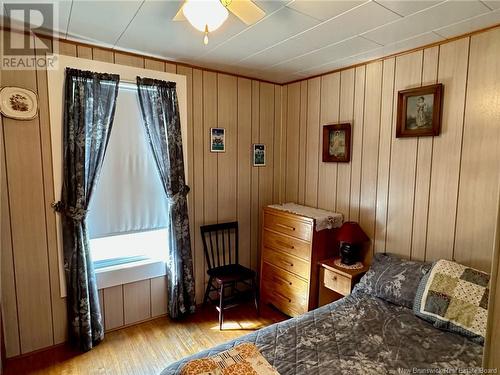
(209, 15)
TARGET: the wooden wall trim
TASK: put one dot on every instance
(86, 51)
(397, 54)
(170, 64)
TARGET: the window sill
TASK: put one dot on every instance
(108, 277)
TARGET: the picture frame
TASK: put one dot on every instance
(217, 140)
(337, 143)
(419, 111)
(18, 103)
(259, 155)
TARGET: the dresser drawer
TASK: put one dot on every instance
(288, 225)
(283, 281)
(286, 305)
(336, 282)
(287, 262)
(287, 292)
(287, 244)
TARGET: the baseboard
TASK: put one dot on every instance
(34, 352)
(136, 323)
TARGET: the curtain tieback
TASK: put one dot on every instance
(74, 213)
(182, 193)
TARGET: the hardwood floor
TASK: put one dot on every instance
(149, 347)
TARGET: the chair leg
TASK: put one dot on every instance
(207, 291)
(221, 306)
(255, 294)
(233, 287)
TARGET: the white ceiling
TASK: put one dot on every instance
(295, 39)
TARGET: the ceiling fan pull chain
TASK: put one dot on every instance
(205, 39)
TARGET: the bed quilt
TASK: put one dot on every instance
(359, 334)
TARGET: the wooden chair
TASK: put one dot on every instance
(220, 243)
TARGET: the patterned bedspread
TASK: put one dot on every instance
(358, 334)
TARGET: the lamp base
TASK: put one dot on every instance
(348, 253)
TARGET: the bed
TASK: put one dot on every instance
(359, 334)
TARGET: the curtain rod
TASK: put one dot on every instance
(128, 81)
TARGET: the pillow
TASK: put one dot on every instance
(454, 297)
(242, 359)
(393, 279)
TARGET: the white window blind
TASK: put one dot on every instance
(129, 195)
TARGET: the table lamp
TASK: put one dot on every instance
(350, 236)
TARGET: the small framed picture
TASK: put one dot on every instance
(217, 140)
(259, 155)
(337, 143)
(419, 111)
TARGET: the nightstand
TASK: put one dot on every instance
(336, 282)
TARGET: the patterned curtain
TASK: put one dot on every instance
(160, 111)
(89, 109)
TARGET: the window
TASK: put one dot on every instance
(127, 216)
(129, 247)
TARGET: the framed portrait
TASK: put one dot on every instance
(18, 103)
(337, 143)
(217, 140)
(419, 111)
(259, 155)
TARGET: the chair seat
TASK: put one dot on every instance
(230, 273)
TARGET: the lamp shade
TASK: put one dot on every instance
(352, 233)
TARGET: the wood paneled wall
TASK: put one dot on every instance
(224, 186)
(424, 198)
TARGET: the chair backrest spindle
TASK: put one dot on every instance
(212, 250)
(205, 250)
(236, 242)
(215, 249)
(229, 244)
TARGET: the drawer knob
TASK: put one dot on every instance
(281, 280)
(284, 244)
(278, 294)
(286, 263)
(285, 226)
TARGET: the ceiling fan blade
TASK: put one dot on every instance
(180, 15)
(246, 11)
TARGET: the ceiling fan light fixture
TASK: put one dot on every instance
(205, 14)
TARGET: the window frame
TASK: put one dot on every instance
(55, 81)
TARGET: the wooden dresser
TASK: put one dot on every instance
(291, 249)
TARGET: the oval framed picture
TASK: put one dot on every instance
(18, 103)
